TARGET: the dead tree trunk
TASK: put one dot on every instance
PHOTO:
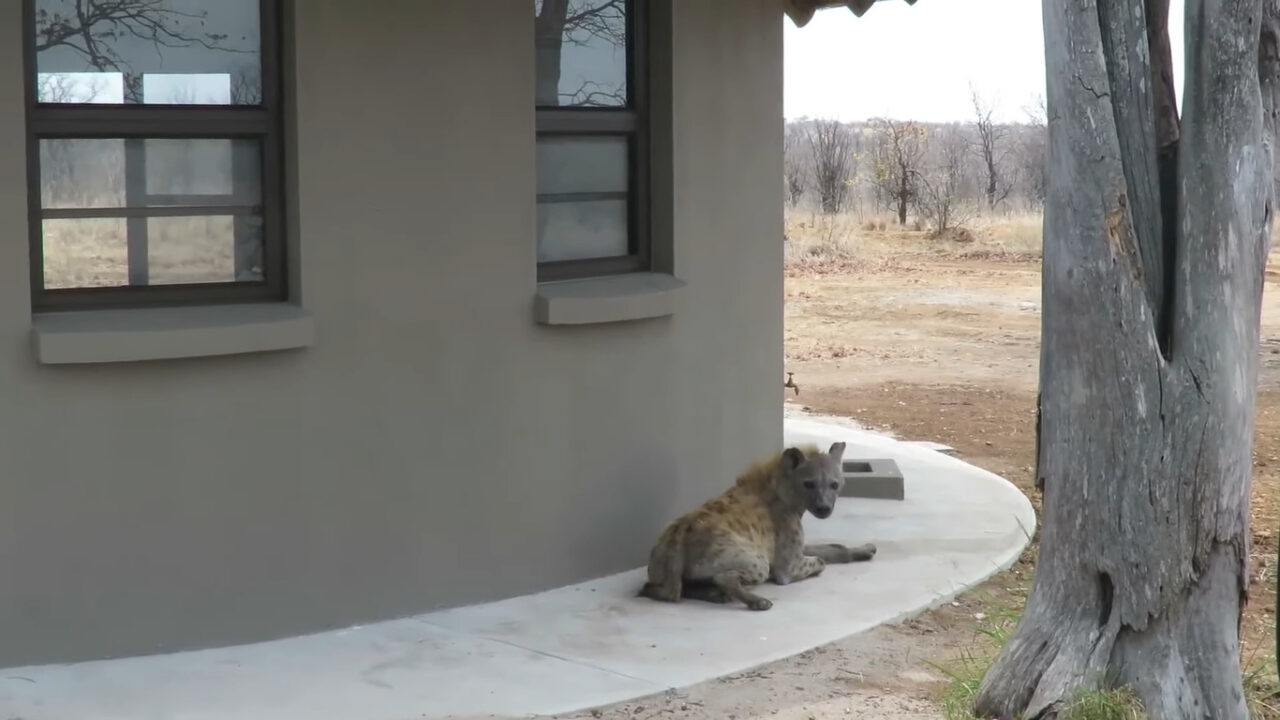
(904, 192)
(549, 28)
(1155, 241)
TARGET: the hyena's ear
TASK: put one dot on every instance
(791, 459)
(836, 451)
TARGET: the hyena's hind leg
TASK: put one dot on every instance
(704, 590)
(666, 566)
(661, 592)
(735, 580)
(835, 553)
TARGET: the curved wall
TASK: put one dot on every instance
(435, 446)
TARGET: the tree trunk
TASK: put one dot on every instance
(548, 40)
(903, 193)
(1148, 367)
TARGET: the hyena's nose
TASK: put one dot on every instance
(822, 511)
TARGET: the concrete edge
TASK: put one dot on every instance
(619, 298)
(109, 336)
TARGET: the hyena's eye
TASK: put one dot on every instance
(809, 484)
(835, 485)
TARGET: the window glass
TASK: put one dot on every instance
(178, 210)
(582, 230)
(148, 51)
(591, 164)
(581, 53)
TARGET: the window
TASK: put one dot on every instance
(592, 154)
(153, 131)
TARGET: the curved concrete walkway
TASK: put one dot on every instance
(579, 646)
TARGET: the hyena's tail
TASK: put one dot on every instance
(666, 565)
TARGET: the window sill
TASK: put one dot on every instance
(108, 336)
(617, 298)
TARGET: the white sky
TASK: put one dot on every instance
(917, 62)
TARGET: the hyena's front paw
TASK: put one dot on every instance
(759, 603)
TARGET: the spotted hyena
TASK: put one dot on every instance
(753, 532)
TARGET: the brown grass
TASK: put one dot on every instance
(841, 244)
(93, 252)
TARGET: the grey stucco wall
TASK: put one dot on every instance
(435, 446)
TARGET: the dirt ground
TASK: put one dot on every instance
(935, 341)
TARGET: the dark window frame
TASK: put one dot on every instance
(263, 123)
(633, 122)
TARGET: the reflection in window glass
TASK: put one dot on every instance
(582, 164)
(148, 51)
(582, 197)
(94, 252)
(582, 230)
(104, 88)
(200, 249)
(85, 253)
(187, 89)
(151, 211)
(581, 53)
(93, 172)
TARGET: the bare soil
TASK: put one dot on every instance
(937, 342)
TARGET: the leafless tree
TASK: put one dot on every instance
(246, 88)
(942, 183)
(575, 22)
(1030, 151)
(794, 165)
(1157, 232)
(59, 88)
(831, 145)
(899, 152)
(91, 28)
(991, 148)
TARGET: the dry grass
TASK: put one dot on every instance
(847, 243)
(94, 252)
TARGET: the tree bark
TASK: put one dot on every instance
(904, 191)
(549, 28)
(1155, 244)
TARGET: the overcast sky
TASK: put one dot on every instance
(917, 62)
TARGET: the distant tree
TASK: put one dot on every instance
(794, 165)
(1030, 153)
(899, 153)
(831, 145)
(942, 183)
(991, 148)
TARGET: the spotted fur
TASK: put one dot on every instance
(753, 532)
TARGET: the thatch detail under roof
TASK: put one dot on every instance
(801, 11)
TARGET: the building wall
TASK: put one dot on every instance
(435, 446)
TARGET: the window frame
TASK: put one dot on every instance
(263, 123)
(633, 122)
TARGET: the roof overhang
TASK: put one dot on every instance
(801, 11)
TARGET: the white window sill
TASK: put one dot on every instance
(106, 336)
(617, 298)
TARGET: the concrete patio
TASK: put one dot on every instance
(580, 646)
